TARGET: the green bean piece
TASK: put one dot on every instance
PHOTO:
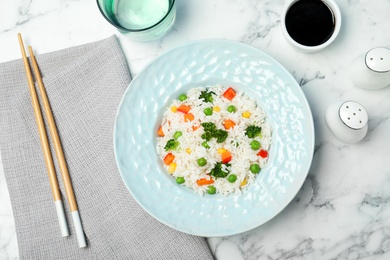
(177, 134)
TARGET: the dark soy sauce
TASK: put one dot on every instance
(310, 22)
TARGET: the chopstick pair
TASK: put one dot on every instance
(57, 147)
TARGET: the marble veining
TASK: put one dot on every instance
(342, 210)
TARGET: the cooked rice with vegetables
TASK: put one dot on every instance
(214, 140)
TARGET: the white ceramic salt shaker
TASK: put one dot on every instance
(371, 70)
(348, 121)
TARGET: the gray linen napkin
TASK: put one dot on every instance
(84, 85)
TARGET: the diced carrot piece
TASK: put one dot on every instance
(228, 124)
(184, 109)
(226, 156)
(229, 94)
(205, 181)
(188, 117)
(160, 131)
(195, 127)
(262, 153)
(168, 159)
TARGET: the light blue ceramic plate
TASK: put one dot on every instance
(205, 63)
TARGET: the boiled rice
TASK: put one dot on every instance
(190, 148)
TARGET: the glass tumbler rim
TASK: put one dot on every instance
(118, 26)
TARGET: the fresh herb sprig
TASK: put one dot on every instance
(207, 96)
(218, 172)
(253, 131)
(211, 131)
(172, 144)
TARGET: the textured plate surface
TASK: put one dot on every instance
(204, 63)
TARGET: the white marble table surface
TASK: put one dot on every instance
(343, 208)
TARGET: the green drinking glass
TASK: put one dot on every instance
(141, 20)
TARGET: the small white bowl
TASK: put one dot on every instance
(337, 17)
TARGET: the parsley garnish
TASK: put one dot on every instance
(207, 96)
(208, 126)
(172, 144)
(211, 131)
(252, 131)
(221, 135)
(217, 171)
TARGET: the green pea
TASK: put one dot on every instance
(232, 178)
(208, 111)
(182, 97)
(206, 145)
(202, 161)
(231, 109)
(177, 134)
(180, 180)
(211, 190)
(255, 145)
(255, 168)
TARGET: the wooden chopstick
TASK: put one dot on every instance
(60, 154)
(45, 145)
(58, 150)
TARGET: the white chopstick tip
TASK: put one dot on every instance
(61, 218)
(79, 229)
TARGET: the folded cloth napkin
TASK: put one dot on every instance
(84, 85)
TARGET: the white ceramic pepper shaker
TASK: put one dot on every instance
(371, 70)
(348, 121)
